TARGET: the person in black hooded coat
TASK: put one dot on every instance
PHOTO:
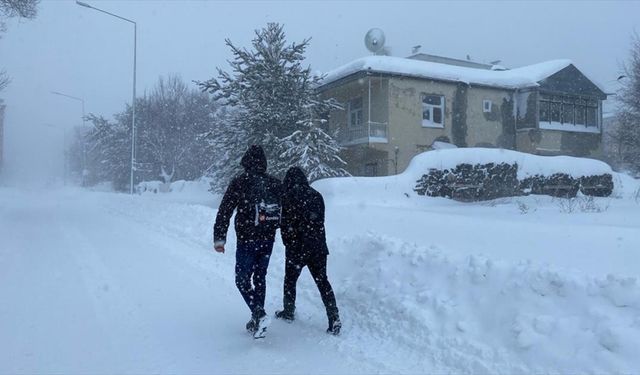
(303, 234)
(249, 194)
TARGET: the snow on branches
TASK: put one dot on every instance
(275, 105)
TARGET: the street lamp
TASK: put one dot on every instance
(84, 149)
(133, 102)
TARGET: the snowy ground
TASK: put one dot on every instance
(95, 282)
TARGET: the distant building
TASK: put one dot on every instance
(395, 108)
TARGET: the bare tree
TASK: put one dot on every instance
(19, 8)
(626, 135)
(14, 8)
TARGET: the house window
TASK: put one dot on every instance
(568, 110)
(544, 108)
(355, 112)
(556, 105)
(433, 111)
(486, 106)
(580, 112)
(592, 113)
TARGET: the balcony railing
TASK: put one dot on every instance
(368, 132)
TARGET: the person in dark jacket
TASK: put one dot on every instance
(256, 198)
(303, 234)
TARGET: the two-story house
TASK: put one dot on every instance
(395, 108)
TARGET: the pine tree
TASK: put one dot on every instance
(275, 104)
(312, 149)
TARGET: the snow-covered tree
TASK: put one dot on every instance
(108, 152)
(274, 101)
(311, 148)
(626, 135)
(170, 123)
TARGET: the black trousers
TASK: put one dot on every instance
(252, 261)
(317, 265)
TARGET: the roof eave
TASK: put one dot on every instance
(363, 73)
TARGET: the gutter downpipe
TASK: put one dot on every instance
(515, 120)
(369, 107)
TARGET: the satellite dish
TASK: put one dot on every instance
(374, 40)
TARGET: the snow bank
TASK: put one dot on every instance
(199, 186)
(152, 187)
(504, 317)
(528, 165)
(180, 191)
(381, 188)
(527, 76)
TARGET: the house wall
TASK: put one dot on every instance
(555, 142)
(405, 117)
(530, 138)
(360, 87)
(359, 155)
(487, 129)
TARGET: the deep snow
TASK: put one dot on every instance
(102, 282)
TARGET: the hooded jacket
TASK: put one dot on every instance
(302, 223)
(254, 163)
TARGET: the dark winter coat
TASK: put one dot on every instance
(254, 162)
(302, 223)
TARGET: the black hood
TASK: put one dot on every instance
(295, 177)
(254, 160)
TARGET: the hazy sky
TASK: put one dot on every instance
(87, 54)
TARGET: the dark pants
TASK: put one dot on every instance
(317, 265)
(252, 260)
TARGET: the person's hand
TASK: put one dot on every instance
(218, 246)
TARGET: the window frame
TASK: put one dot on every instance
(486, 109)
(359, 112)
(429, 123)
(575, 112)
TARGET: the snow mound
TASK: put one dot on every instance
(528, 164)
(513, 317)
(401, 186)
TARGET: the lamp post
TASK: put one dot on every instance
(133, 101)
(84, 149)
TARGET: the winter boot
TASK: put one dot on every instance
(252, 325)
(334, 326)
(285, 315)
(263, 324)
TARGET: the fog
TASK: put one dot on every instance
(87, 54)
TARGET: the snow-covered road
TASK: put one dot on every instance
(107, 283)
(86, 289)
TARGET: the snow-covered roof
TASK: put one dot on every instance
(526, 76)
